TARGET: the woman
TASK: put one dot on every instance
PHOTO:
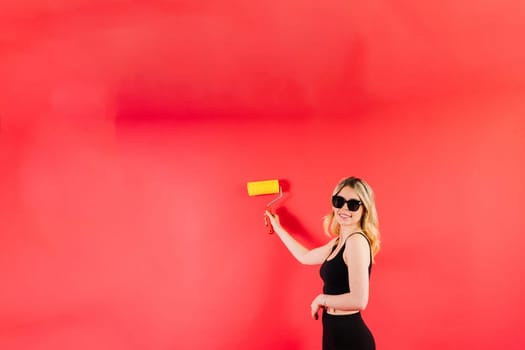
(346, 261)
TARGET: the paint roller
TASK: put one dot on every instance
(257, 188)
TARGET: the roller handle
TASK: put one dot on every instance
(267, 222)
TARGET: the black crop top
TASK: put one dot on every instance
(334, 272)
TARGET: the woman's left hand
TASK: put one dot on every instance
(317, 304)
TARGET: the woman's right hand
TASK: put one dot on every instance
(273, 218)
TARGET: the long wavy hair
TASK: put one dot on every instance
(369, 222)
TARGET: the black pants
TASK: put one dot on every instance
(346, 332)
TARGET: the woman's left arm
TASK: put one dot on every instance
(357, 258)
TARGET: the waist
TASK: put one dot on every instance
(332, 311)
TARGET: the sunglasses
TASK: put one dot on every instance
(352, 204)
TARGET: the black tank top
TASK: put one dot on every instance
(334, 272)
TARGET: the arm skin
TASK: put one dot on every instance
(357, 258)
(304, 255)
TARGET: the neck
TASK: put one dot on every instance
(346, 231)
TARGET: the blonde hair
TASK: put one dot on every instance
(369, 222)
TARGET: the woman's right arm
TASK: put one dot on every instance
(304, 255)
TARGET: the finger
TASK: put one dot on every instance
(313, 312)
(315, 316)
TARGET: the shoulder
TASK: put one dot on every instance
(357, 238)
(357, 244)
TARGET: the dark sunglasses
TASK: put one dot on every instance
(352, 204)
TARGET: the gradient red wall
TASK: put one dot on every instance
(128, 131)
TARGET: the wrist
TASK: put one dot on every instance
(324, 300)
(278, 229)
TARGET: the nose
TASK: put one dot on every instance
(345, 207)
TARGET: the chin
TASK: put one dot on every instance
(345, 222)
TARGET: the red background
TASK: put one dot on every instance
(128, 131)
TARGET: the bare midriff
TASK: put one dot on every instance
(332, 311)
